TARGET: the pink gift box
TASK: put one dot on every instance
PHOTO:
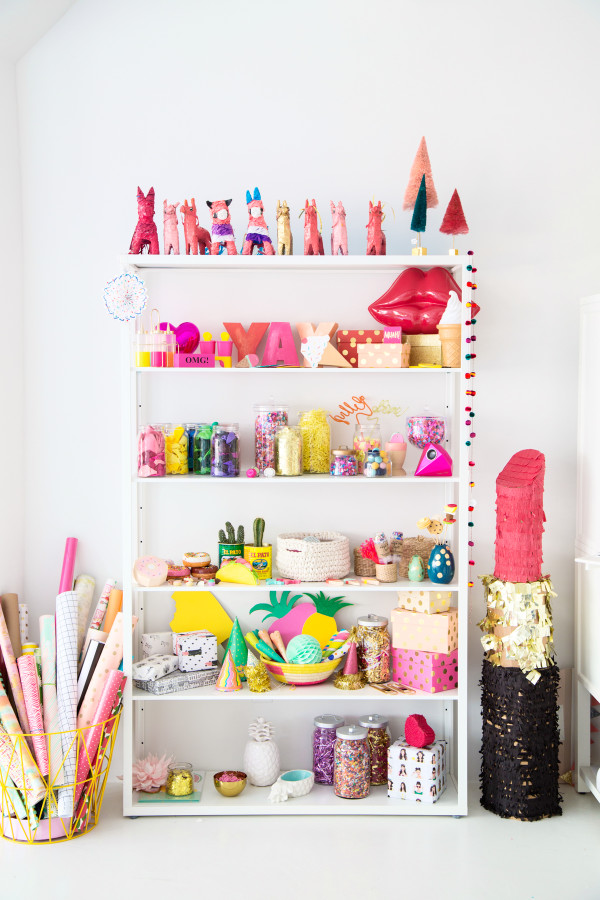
(425, 671)
(437, 633)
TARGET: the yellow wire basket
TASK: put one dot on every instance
(64, 802)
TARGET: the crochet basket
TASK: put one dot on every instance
(362, 566)
(312, 561)
(409, 547)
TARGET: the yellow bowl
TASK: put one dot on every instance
(301, 675)
(230, 788)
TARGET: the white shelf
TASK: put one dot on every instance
(588, 773)
(296, 480)
(294, 370)
(311, 587)
(263, 263)
(325, 692)
(321, 801)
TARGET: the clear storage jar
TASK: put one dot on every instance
(202, 449)
(324, 738)
(366, 437)
(225, 451)
(343, 462)
(378, 737)
(151, 452)
(377, 464)
(180, 780)
(352, 763)
(288, 450)
(267, 419)
(316, 441)
(374, 648)
(176, 449)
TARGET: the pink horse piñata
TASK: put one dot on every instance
(375, 236)
(171, 230)
(145, 234)
(222, 230)
(258, 233)
(195, 238)
(313, 239)
(339, 235)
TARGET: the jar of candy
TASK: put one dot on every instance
(176, 449)
(202, 448)
(352, 763)
(378, 738)
(377, 464)
(316, 439)
(324, 746)
(180, 780)
(225, 451)
(366, 437)
(267, 419)
(426, 430)
(151, 452)
(288, 450)
(343, 462)
(190, 430)
(374, 648)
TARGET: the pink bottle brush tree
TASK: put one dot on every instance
(454, 221)
(420, 167)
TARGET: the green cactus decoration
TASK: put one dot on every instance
(230, 533)
(241, 537)
(259, 530)
(229, 538)
(222, 538)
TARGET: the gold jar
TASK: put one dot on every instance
(180, 780)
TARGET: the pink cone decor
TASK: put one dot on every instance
(351, 679)
(339, 233)
(145, 235)
(351, 664)
(376, 243)
(421, 166)
(454, 221)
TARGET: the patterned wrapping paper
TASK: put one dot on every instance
(12, 616)
(98, 615)
(425, 601)
(15, 754)
(435, 633)
(23, 625)
(108, 662)
(92, 736)
(50, 702)
(67, 608)
(195, 650)
(425, 671)
(153, 667)
(180, 681)
(13, 674)
(84, 588)
(29, 681)
(11, 802)
(157, 643)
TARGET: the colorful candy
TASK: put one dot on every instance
(176, 450)
(225, 452)
(151, 452)
(366, 438)
(426, 430)
(268, 420)
(352, 763)
(343, 462)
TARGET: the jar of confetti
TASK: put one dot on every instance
(378, 738)
(316, 441)
(151, 452)
(352, 763)
(176, 449)
(225, 451)
(202, 448)
(288, 450)
(374, 648)
(343, 462)
(324, 739)
(366, 437)
(267, 419)
(377, 464)
(190, 430)
(426, 430)
(180, 780)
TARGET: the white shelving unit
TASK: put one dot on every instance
(210, 727)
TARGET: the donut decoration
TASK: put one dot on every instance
(196, 560)
(150, 571)
(177, 574)
(205, 573)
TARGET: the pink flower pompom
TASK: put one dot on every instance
(150, 773)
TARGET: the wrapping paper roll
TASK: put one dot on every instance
(50, 704)
(109, 661)
(67, 605)
(10, 607)
(68, 566)
(13, 674)
(12, 802)
(23, 625)
(15, 755)
(84, 588)
(115, 602)
(99, 612)
(112, 686)
(29, 680)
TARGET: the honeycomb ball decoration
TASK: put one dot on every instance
(440, 567)
(304, 650)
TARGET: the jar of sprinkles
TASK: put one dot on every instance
(352, 763)
(374, 648)
(267, 419)
(378, 737)
(324, 739)
(343, 462)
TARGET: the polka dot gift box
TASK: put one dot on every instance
(436, 633)
(383, 356)
(425, 601)
(430, 672)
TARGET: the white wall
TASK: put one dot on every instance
(308, 99)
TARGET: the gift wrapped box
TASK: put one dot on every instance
(437, 633)
(425, 349)
(425, 601)
(425, 671)
(180, 681)
(153, 667)
(347, 341)
(195, 650)
(157, 642)
(417, 774)
(383, 356)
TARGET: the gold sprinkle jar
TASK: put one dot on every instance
(180, 780)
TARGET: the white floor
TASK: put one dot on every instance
(477, 857)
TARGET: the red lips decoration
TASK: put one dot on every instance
(416, 300)
(417, 732)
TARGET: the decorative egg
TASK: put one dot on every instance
(304, 650)
(440, 567)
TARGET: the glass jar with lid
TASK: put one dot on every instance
(343, 462)
(225, 451)
(202, 448)
(316, 441)
(176, 449)
(352, 763)
(288, 450)
(378, 737)
(268, 417)
(180, 779)
(374, 648)
(324, 738)
(367, 436)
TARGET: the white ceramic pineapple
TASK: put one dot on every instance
(261, 755)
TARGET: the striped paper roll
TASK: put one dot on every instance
(50, 704)
(84, 588)
(13, 674)
(67, 605)
(29, 680)
(108, 662)
(92, 737)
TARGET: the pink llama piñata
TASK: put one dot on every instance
(171, 229)
(222, 230)
(145, 234)
(375, 236)
(339, 235)
(313, 239)
(258, 233)
(196, 238)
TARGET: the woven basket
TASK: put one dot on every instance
(409, 547)
(362, 566)
(387, 572)
(312, 561)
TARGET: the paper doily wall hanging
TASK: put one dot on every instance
(125, 297)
